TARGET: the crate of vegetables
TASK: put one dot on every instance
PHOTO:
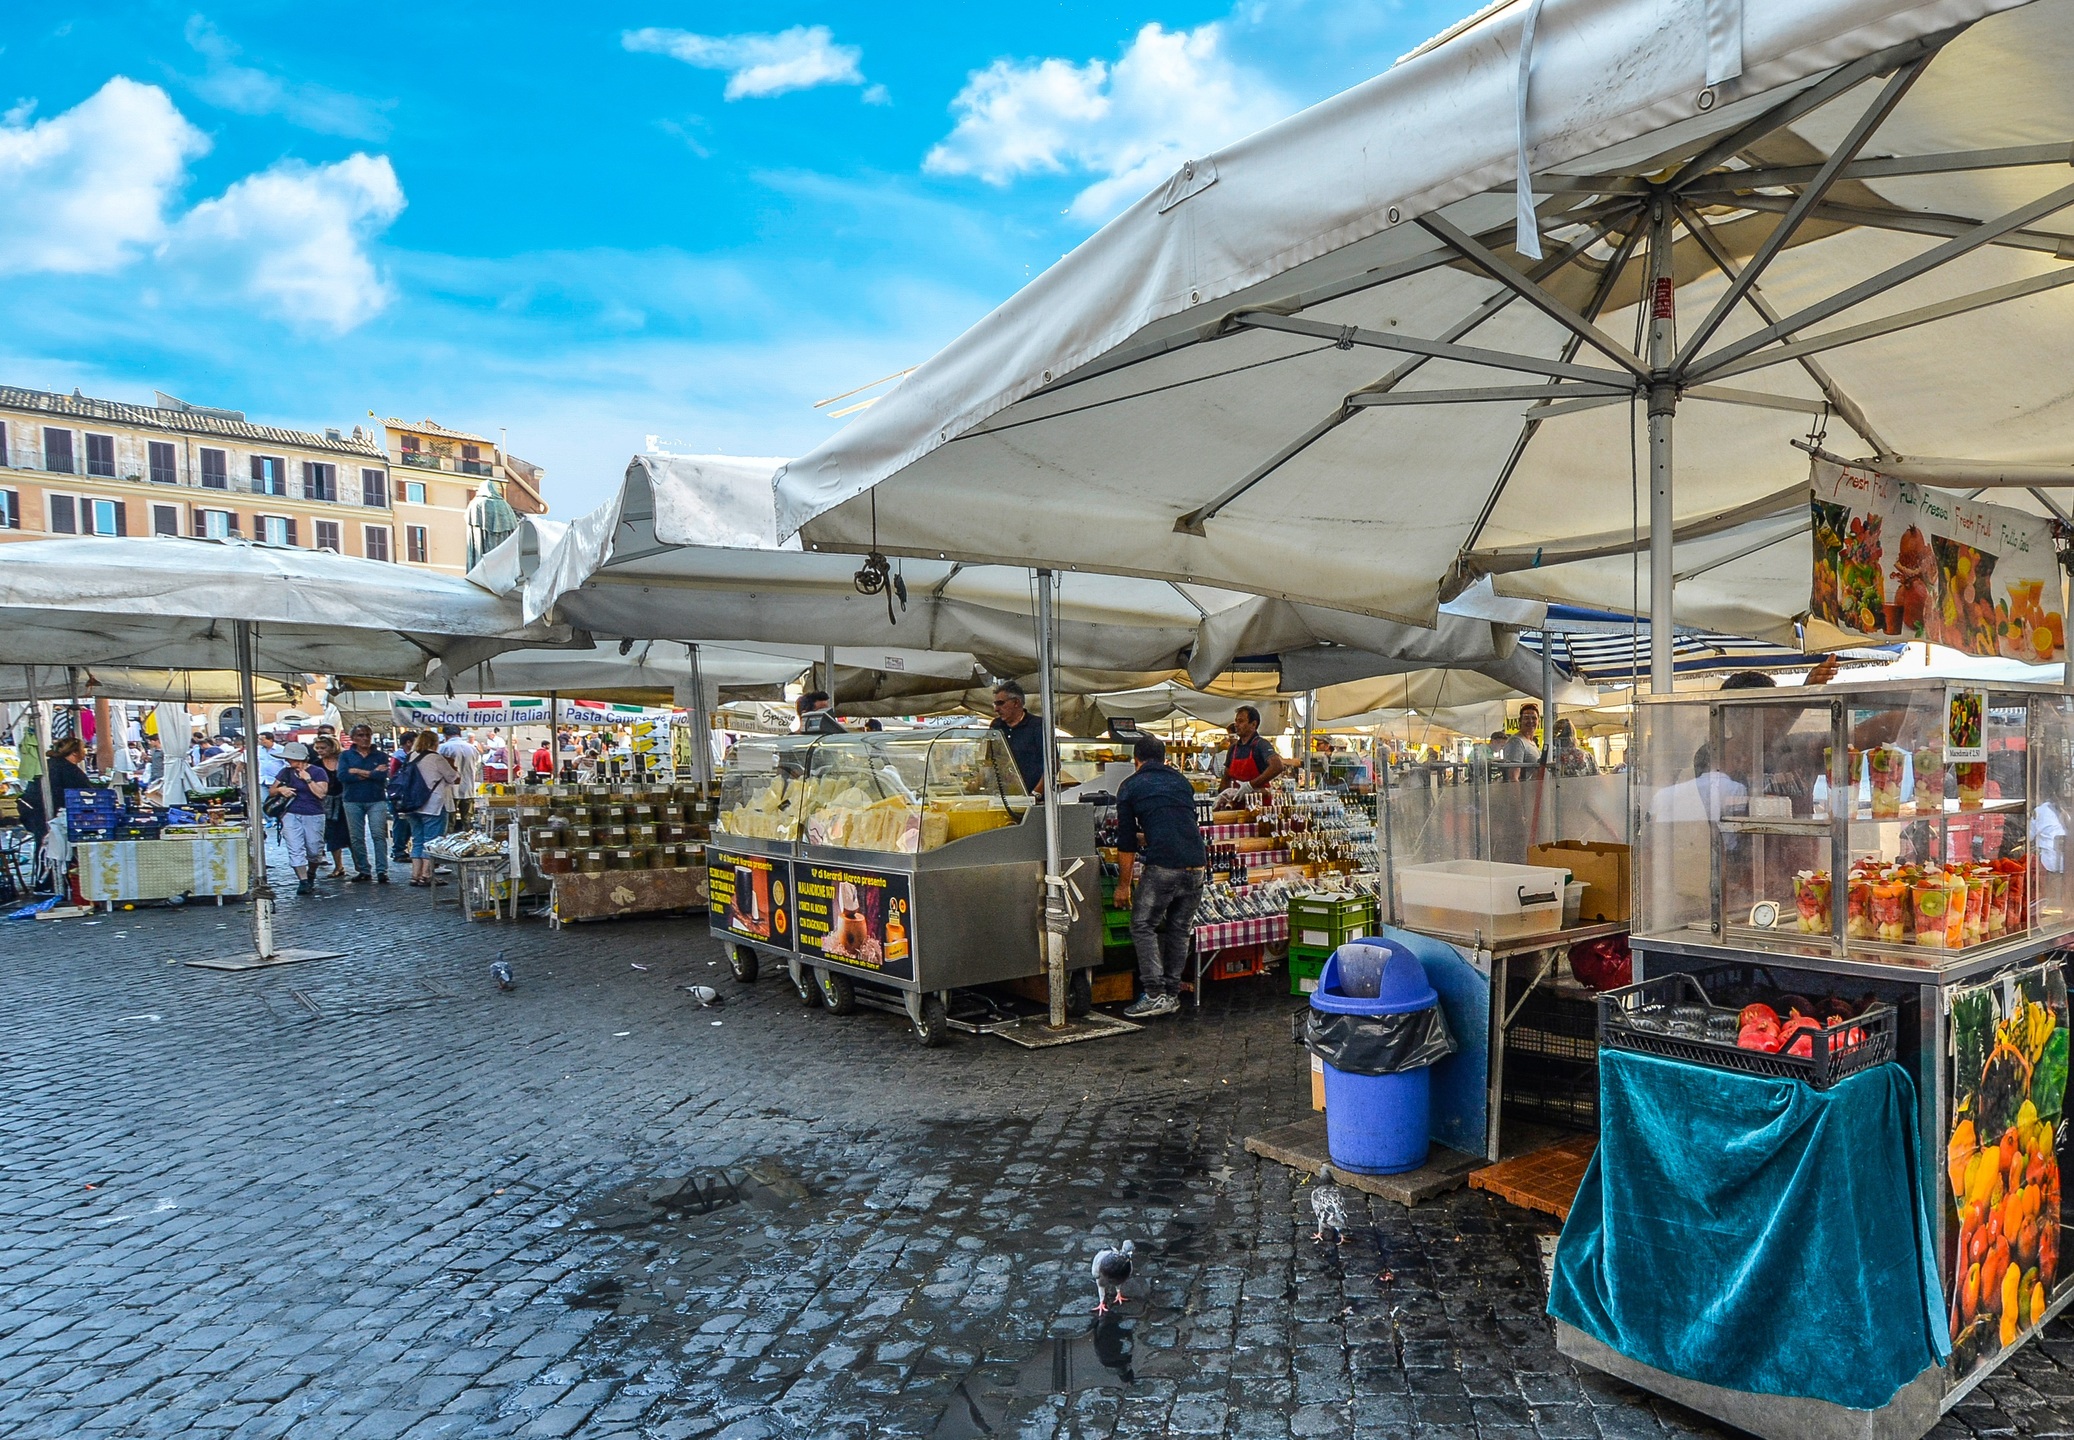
(1789, 1036)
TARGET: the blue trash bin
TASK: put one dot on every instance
(1377, 1124)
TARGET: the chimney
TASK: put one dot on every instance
(331, 433)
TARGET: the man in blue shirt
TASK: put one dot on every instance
(1026, 734)
(1155, 821)
(363, 777)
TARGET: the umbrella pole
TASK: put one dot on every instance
(1303, 768)
(1663, 404)
(255, 817)
(42, 761)
(554, 736)
(1551, 777)
(701, 728)
(1054, 883)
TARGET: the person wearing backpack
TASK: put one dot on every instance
(423, 792)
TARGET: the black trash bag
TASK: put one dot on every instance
(1379, 1044)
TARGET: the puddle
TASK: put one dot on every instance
(1064, 1365)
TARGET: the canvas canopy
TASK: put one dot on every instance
(167, 602)
(1329, 363)
(642, 565)
(116, 682)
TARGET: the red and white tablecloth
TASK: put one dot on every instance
(1262, 859)
(1246, 831)
(1260, 930)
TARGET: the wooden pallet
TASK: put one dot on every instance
(1544, 1180)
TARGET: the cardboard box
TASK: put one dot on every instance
(1317, 1083)
(1602, 866)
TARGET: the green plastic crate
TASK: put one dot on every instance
(1322, 922)
(1306, 964)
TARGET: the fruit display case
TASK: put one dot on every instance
(900, 860)
(1944, 808)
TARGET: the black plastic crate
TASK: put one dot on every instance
(1563, 1027)
(1639, 1017)
(1549, 1088)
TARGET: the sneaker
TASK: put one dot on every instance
(1148, 1005)
(361, 879)
(382, 879)
(305, 887)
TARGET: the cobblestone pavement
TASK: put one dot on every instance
(373, 1196)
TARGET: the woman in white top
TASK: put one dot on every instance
(428, 821)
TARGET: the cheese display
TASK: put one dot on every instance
(890, 792)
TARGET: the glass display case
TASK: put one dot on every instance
(898, 792)
(1889, 824)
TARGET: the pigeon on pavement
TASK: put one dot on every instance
(706, 995)
(1110, 1269)
(1329, 1206)
(501, 973)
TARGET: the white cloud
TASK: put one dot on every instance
(293, 240)
(1173, 95)
(84, 190)
(758, 66)
(249, 91)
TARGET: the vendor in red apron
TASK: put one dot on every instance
(1250, 762)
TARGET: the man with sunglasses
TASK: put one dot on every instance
(1026, 734)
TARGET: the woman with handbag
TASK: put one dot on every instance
(432, 802)
(336, 836)
(297, 798)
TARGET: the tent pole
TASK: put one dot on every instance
(554, 736)
(42, 760)
(1663, 404)
(255, 818)
(1303, 769)
(1054, 882)
(701, 728)
(1551, 778)
(828, 673)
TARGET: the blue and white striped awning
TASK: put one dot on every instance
(1603, 647)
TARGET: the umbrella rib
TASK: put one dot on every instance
(1847, 409)
(1484, 260)
(1888, 279)
(1915, 222)
(982, 430)
(1846, 150)
(1607, 280)
(1726, 183)
(1348, 336)
(1873, 329)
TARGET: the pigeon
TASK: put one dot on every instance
(1329, 1206)
(706, 995)
(500, 971)
(1110, 1269)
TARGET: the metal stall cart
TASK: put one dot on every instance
(1825, 879)
(891, 867)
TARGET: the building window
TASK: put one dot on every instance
(103, 517)
(215, 470)
(100, 455)
(165, 519)
(57, 450)
(215, 524)
(4, 452)
(374, 488)
(165, 465)
(319, 481)
(374, 541)
(415, 549)
(63, 515)
(275, 530)
(414, 492)
(472, 462)
(327, 536)
(10, 510)
(269, 475)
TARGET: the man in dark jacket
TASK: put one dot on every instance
(1155, 821)
(363, 776)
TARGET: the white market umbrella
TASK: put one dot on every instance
(206, 604)
(1330, 362)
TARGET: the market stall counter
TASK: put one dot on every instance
(890, 864)
(1827, 880)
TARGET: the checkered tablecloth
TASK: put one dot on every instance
(1231, 832)
(1261, 859)
(1260, 930)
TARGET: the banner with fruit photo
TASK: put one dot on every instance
(2008, 1087)
(1898, 560)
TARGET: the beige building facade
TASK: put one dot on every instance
(74, 465)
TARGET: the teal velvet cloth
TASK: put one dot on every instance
(1755, 1234)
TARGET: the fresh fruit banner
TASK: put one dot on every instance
(1898, 560)
(2009, 1084)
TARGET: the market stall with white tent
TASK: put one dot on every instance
(1578, 280)
(258, 609)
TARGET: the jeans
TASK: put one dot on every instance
(367, 831)
(423, 830)
(1163, 905)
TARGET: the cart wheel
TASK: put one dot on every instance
(1080, 993)
(935, 1025)
(837, 993)
(808, 989)
(742, 960)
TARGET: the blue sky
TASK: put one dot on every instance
(588, 224)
